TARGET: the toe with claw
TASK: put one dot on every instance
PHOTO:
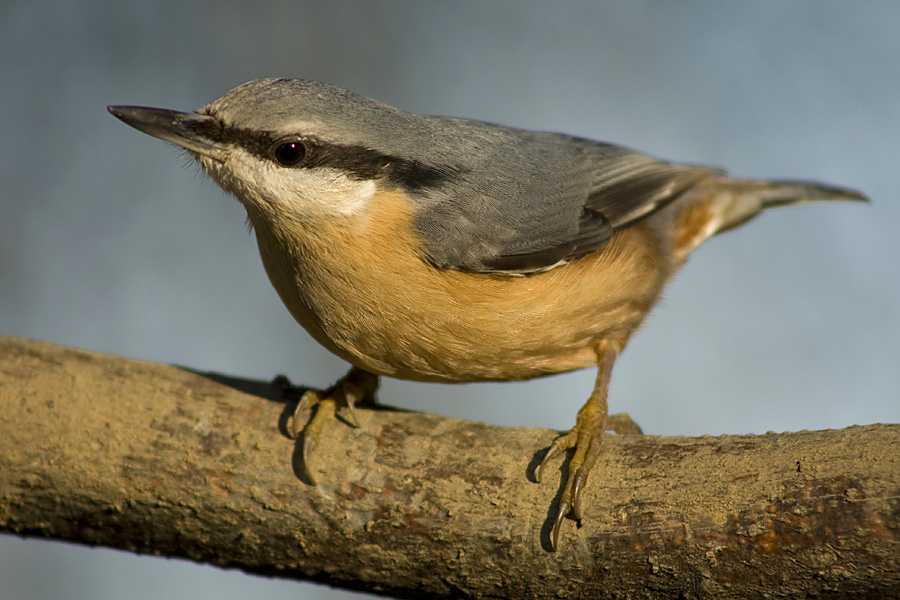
(356, 387)
(585, 438)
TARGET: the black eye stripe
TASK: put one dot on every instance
(359, 161)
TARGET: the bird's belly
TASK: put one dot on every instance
(369, 298)
(458, 327)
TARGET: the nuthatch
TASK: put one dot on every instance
(449, 250)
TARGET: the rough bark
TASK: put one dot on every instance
(157, 459)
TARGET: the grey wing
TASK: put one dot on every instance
(628, 185)
(554, 199)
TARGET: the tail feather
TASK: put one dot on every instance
(719, 204)
(740, 200)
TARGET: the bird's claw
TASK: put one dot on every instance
(585, 438)
(585, 435)
(356, 387)
(559, 445)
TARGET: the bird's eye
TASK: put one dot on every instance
(289, 154)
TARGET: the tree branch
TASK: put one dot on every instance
(158, 459)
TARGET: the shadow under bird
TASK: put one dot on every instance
(449, 250)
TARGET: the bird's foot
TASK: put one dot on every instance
(356, 387)
(585, 438)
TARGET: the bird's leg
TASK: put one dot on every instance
(585, 437)
(357, 386)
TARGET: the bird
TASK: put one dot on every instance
(442, 249)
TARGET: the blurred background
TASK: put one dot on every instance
(108, 243)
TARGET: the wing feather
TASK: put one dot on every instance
(552, 198)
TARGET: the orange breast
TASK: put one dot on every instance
(362, 290)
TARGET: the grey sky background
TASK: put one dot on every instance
(108, 243)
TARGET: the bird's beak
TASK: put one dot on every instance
(201, 134)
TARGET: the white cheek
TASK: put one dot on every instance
(321, 191)
(303, 192)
